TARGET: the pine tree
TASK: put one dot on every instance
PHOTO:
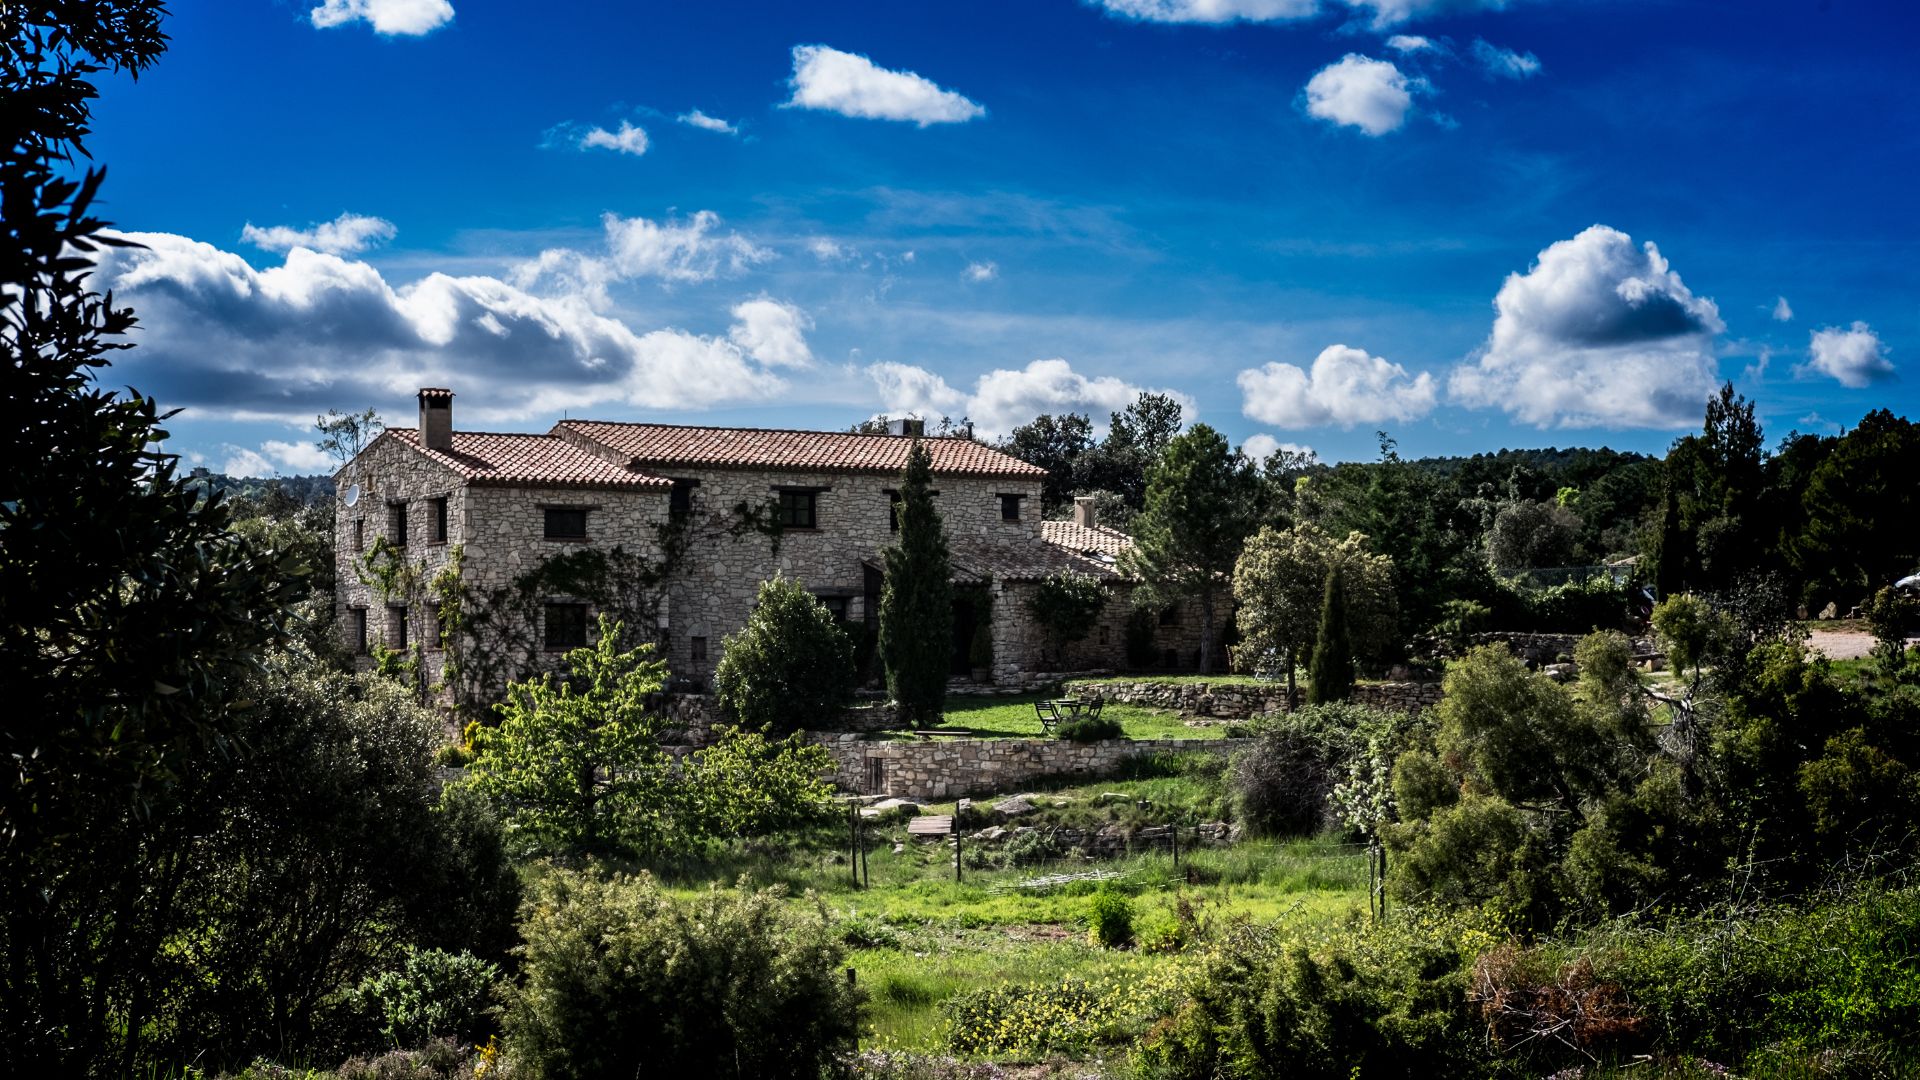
(1330, 676)
(916, 608)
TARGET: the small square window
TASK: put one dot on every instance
(397, 628)
(699, 645)
(566, 523)
(359, 534)
(439, 519)
(358, 626)
(1009, 508)
(799, 509)
(566, 626)
(836, 606)
(397, 524)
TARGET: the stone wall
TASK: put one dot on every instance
(691, 718)
(948, 768)
(1021, 652)
(1240, 701)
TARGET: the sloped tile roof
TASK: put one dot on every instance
(1081, 538)
(493, 458)
(671, 445)
(1028, 559)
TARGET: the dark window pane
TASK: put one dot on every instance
(566, 524)
(397, 524)
(893, 511)
(797, 509)
(1169, 616)
(680, 502)
(360, 631)
(440, 520)
(566, 626)
(396, 628)
(836, 606)
(699, 649)
(359, 534)
(1009, 508)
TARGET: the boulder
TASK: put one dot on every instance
(1015, 806)
(890, 808)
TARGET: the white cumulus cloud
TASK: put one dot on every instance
(1212, 11)
(1259, 447)
(321, 331)
(1389, 13)
(772, 332)
(1854, 357)
(1599, 332)
(1361, 92)
(692, 250)
(1345, 386)
(981, 271)
(1409, 43)
(408, 18)
(1782, 311)
(343, 235)
(696, 118)
(629, 138)
(833, 81)
(1504, 63)
(276, 457)
(1003, 399)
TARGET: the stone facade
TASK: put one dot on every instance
(494, 493)
(949, 768)
(1241, 701)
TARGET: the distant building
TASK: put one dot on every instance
(696, 518)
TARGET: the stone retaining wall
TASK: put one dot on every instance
(948, 768)
(1241, 701)
(692, 718)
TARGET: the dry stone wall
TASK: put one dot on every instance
(949, 768)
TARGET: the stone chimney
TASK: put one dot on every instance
(907, 426)
(436, 418)
(1083, 511)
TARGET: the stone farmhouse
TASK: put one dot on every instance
(735, 506)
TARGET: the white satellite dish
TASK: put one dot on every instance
(353, 494)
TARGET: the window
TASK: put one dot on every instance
(836, 606)
(1103, 635)
(432, 629)
(397, 628)
(680, 502)
(397, 524)
(566, 523)
(359, 534)
(699, 645)
(358, 624)
(1169, 616)
(1009, 508)
(566, 626)
(893, 511)
(799, 509)
(439, 519)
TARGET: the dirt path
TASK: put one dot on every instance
(1841, 644)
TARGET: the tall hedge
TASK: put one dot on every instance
(916, 608)
(790, 667)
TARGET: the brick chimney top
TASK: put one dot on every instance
(436, 418)
(1083, 515)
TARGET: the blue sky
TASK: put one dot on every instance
(1312, 220)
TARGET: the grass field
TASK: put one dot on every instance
(1013, 718)
(917, 937)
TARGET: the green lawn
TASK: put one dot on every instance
(917, 937)
(1013, 717)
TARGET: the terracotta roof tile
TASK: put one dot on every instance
(1030, 559)
(486, 457)
(1080, 538)
(671, 445)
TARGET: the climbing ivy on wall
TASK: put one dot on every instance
(492, 637)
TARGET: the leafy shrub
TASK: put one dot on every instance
(1065, 606)
(867, 932)
(440, 1059)
(621, 979)
(1281, 783)
(1020, 1018)
(1088, 729)
(1374, 1000)
(434, 994)
(1033, 846)
(1110, 919)
(790, 667)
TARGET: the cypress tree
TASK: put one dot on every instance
(916, 608)
(1330, 676)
